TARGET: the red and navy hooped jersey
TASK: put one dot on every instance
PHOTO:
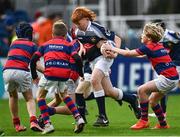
(19, 55)
(74, 68)
(160, 60)
(57, 53)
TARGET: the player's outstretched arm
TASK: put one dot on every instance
(127, 53)
(33, 64)
(117, 41)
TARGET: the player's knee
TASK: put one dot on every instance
(140, 90)
(152, 102)
(13, 95)
(108, 92)
(28, 96)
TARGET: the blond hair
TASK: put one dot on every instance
(153, 31)
(82, 12)
(59, 28)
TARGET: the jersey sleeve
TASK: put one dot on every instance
(107, 34)
(75, 47)
(143, 50)
(35, 48)
(40, 51)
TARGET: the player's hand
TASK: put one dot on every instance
(104, 48)
(82, 50)
(111, 54)
(106, 51)
(81, 78)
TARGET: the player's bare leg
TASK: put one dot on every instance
(13, 105)
(31, 107)
(99, 94)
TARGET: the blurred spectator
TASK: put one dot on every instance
(9, 22)
(133, 41)
(37, 25)
(43, 27)
(5, 6)
(4, 47)
(21, 15)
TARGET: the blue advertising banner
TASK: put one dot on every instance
(1, 82)
(129, 73)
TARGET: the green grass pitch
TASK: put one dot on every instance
(120, 117)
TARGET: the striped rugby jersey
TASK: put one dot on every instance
(20, 53)
(74, 68)
(171, 41)
(160, 60)
(93, 34)
(57, 53)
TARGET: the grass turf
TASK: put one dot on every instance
(120, 117)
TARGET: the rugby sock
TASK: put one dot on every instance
(164, 104)
(90, 97)
(128, 97)
(100, 99)
(81, 104)
(33, 119)
(71, 105)
(51, 111)
(159, 114)
(16, 121)
(44, 110)
(144, 110)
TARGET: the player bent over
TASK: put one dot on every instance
(17, 76)
(152, 91)
(57, 53)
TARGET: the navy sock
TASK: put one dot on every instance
(128, 97)
(81, 105)
(101, 105)
(51, 111)
(90, 97)
(164, 104)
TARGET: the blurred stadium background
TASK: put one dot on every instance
(125, 17)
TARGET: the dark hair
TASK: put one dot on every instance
(24, 30)
(59, 28)
(161, 23)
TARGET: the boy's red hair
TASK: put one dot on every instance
(82, 12)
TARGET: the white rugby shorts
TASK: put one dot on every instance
(164, 84)
(103, 64)
(18, 80)
(51, 86)
(178, 70)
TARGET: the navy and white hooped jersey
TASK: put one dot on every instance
(93, 34)
(171, 41)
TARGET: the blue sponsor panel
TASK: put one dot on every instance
(129, 73)
(1, 82)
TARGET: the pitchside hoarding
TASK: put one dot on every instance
(126, 73)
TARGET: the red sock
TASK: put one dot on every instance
(33, 119)
(16, 121)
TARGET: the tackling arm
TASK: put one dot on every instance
(33, 65)
(79, 63)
